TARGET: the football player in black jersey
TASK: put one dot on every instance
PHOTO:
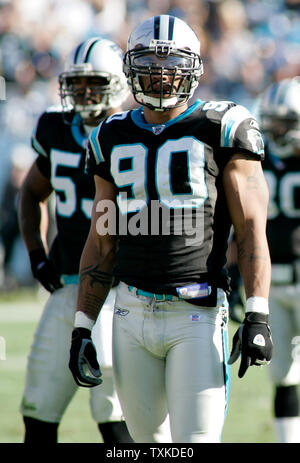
(279, 110)
(92, 87)
(170, 179)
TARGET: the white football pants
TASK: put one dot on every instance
(169, 365)
(49, 384)
(284, 304)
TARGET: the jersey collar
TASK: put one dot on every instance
(137, 116)
(78, 132)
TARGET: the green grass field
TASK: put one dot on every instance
(249, 418)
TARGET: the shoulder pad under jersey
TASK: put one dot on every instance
(239, 128)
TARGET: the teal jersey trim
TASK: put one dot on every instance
(227, 373)
(70, 279)
(78, 136)
(95, 143)
(137, 117)
(228, 132)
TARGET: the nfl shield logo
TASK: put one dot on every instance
(157, 129)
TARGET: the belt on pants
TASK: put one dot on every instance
(70, 279)
(156, 297)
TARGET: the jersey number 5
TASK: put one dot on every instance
(67, 205)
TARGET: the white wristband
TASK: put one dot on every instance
(83, 321)
(257, 304)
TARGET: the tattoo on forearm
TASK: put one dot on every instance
(92, 303)
(253, 255)
(96, 276)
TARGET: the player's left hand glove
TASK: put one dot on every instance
(44, 271)
(253, 341)
(83, 359)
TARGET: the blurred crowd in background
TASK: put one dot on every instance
(245, 45)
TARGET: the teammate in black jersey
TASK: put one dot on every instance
(170, 178)
(280, 121)
(92, 87)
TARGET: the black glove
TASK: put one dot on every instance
(44, 270)
(253, 340)
(83, 359)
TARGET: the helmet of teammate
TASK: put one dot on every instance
(279, 113)
(100, 62)
(163, 47)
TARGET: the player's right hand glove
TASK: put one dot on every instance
(44, 270)
(253, 341)
(83, 359)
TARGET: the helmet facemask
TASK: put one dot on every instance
(93, 82)
(97, 96)
(161, 76)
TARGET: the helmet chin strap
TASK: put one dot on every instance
(89, 114)
(86, 112)
(167, 103)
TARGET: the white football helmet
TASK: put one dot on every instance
(279, 113)
(100, 60)
(163, 47)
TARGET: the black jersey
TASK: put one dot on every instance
(62, 150)
(177, 166)
(283, 227)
